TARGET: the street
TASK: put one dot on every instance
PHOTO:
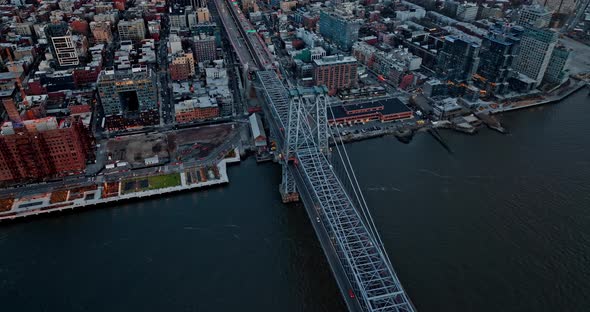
(166, 104)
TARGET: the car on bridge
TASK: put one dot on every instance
(351, 294)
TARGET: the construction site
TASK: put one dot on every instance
(142, 150)
(139, 150)
(198, 143)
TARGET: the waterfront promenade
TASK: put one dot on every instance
(80, 192)
(557, 95)
(123, 189)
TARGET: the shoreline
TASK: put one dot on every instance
(41, 203)
(350, 138)
(99, 195)
(507, 107)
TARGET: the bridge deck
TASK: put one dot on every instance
(367, 268)
(243, 36)
(233, 32)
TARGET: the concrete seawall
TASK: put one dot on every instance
(550, 99)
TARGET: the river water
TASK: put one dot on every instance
(500, 224)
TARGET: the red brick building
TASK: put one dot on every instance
(80, 26)
(335, 72)
(119, 5)
(180, 71)
(86, 75)
(42, 148)
(196, 109)
(310, 22)
(381, 110)
(182, 66)
(35, 87)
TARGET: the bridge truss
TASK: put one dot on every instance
(298, 119)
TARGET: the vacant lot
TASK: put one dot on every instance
(134, 149)
(197, 143)
(183, 144)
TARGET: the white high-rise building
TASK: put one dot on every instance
(62, 46)
(536, 47)
(533, 15)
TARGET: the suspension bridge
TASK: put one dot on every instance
(309, 154)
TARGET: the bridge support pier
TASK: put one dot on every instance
(246, 83)
(287, 188)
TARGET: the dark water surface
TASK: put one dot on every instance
(502, 224)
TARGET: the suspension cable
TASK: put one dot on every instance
(362, 202)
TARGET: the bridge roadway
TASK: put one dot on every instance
(359, 262)
(357, 259)
(233, 33)
(243, 37)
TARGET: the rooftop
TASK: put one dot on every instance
(334, 59)
(389, 106)
(40, 125)
(112, 74)
(200, 102)
(8, 76)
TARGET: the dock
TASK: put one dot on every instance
(491, 122)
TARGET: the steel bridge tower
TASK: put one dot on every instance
(297, 119)
(306, 105)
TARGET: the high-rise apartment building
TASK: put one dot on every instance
(554, 72)
(560, 6)
(536, 47)
(191, 18)
(204, 48)
(182, 66)
(101, 31)
(178, 18)
(335, 72)
(128, 97)
(40, 148)
(133, 30)
(62, 46)
(458, 58)
(499, 49)
(467, 12)
(533, 15)
(339, 29)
